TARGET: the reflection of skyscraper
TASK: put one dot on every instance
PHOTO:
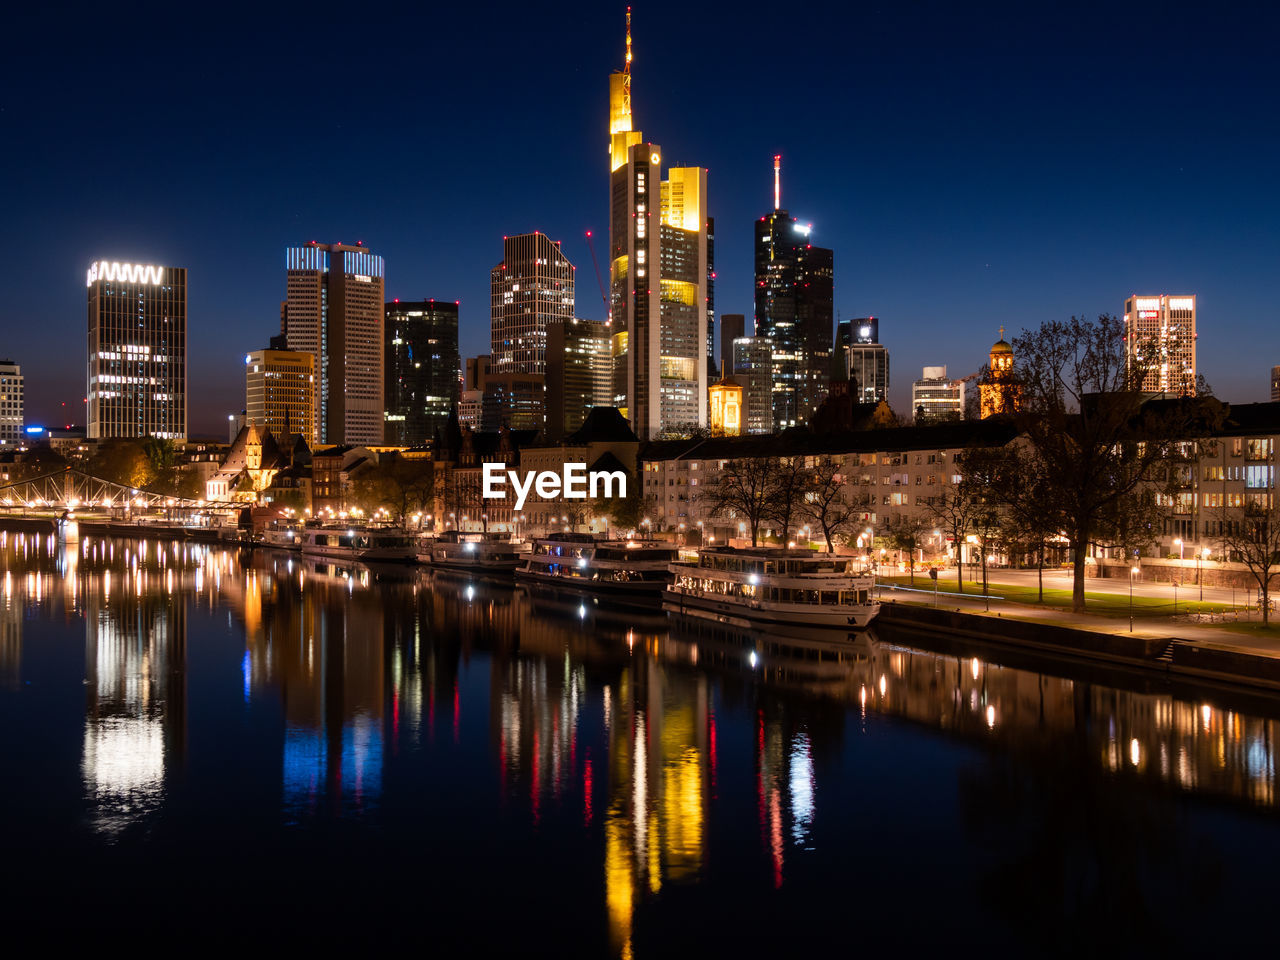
(10, 634)
(135, 719)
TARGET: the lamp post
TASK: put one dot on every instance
(1200, 580)
(1175, 598)
(1133, 572)
(1178, 543)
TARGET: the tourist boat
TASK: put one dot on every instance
(284, 536)
(359, 543)
(747, 587)
(579, 560)
(473, 552)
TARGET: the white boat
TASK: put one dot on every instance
(747, 587)
(581, 561)
(283, 536)
(359, 543)
(474, 552)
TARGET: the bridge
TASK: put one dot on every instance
(72, 489)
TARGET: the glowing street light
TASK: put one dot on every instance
(1133, 572)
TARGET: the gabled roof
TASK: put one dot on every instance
(602, 425)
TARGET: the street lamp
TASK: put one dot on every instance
(1133, 572)
(1178, 543)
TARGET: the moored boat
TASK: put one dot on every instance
(476, 552)
(581, 561)
(746, 587)
(359, 543)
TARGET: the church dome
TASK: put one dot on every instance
(1001, 347)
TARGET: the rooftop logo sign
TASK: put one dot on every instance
(124, 273)
(575, 483)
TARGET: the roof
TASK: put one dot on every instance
(602, 425)
(1001, 346)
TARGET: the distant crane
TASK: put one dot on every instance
(596, 263)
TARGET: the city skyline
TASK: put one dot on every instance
(953, 207)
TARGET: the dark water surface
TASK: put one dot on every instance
(207, 747)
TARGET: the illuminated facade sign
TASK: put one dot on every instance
(124, 273)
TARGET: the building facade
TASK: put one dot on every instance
(732, 327)
(659, 267)
(579, 373)
(334, 311)
(421, 384)
(137, 369)
(1160, 337)
(794, 303)
(999, 392)
(1275, 383)
(532, 286)
(934, 397)
(866, 359)
(279, 392)
(753, 371)
(12, 401)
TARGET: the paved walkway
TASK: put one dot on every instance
(1145, 626)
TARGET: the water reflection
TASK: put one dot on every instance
(669, 748)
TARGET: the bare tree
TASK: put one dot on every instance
(1088, 423)
(906, 532)
(825, 502)
(788, 484)
(742, 492)
(953, 510)
(1255, 542)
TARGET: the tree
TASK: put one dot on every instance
(399, 485)
(1098, 440)
(824, 501)
(1255, 542)
(788, 482)
(953, 510)
(905, 532)
(742, 491)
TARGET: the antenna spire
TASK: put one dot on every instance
(777, 181)
(627, 68)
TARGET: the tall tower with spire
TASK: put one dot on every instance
(658, 276)
(795, 310)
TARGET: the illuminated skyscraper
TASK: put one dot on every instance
(421, 351)
(579, 373)
(753, 370)
(11, 403)
(866, 359)
(137, 373)
(279, 392)
(659, 268)
(532, 286)
(1160, 336)
(794, 309)
(333, 311)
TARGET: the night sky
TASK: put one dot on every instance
(971, 165)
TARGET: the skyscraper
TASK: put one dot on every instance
(753, 369)
(333, 311)
(532, 286)
(279, 392)
(1160, 337)
(866, 359)
(658, 274)
(11, 403)
(579, 373)
(711, 298)
(732, 326)
(794, 309)
(421, 355)
(137, 369)
(935, 398)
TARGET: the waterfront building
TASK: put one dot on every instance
(579, 373)
(999, 393)
(865, 359)
(732, 327)
(1160, 337)
(421, 380)
(334, 311)
(279, 388)
(753, 370)
(531, 287)
(658, 275)
(12, 404)
(137, 364)
(934, 397)
(794, 303)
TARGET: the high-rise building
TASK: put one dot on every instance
(732, 327)
(866, 359)
(280, 392)
(1275, 383)
(421, 383)
(137, 371)
(1160, 339)
(334, 311)
(753, 370)
(532, 286)
(658, 274)
(794, 309)
(11, 403)
(935, 398)
(579, 373)
(711, 298)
